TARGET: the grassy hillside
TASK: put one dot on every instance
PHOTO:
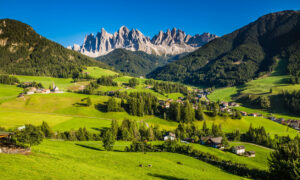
(260, 161)
(8, 92)
(97, 72)
(88, 160)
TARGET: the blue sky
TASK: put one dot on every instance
(67, 22)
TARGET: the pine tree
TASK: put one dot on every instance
(46, 130)
(108, 140)
(88, 101)
(284, 162)
(150, 134)
(178, 112)
(114, 128)
(205, 129)
(199, 112)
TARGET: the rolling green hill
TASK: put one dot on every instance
(136, 63)
(242, 55)
(24, 52)
(88, 160)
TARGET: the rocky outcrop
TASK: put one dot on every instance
(164, 43)
(14, 150)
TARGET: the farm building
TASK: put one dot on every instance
(215, 142)
(5, 134)
(250, 153)
(170, 136)
(238, 149)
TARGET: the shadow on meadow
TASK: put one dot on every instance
(165, 177)
(89, 147)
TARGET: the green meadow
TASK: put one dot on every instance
(260, 161)
(97, 72)
(88, 160)
(259, 87)
(62, 83)
(8, 92)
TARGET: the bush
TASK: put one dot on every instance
(31, 135)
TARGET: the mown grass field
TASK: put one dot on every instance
(88, 160)
(97, 72)
(8, 92)
(230, 125)
(223, 94)
(62, 83)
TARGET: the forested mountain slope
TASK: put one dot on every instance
(23, 51)
(242, 55)
(136, 63)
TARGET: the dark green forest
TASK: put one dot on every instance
(24, 52)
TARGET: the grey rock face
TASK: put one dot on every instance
(164, 43)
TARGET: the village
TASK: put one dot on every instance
(31, 88)
(227, 107)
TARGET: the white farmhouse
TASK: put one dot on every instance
(170, 136)
(238, 149)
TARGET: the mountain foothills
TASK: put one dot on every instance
(23, 51)
(136, 63)
(242, 55)
(171, 42)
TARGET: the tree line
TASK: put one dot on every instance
(261, 137)
(291, 100)
(167, 87)
(6, 79)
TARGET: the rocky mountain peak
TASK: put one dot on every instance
(171, 42)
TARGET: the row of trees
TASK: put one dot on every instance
(107, 81)
(6, 79)
(141, 103)
(184, 112)
(133, 82)
(260, 136)
(80, 76)
(129, 130)
(166, 87)
(78, 135)
(291, 100)
(31, 84)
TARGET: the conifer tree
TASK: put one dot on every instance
(199, 112)
(108, 140)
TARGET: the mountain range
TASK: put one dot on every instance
(171, 42)
(247, 53)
